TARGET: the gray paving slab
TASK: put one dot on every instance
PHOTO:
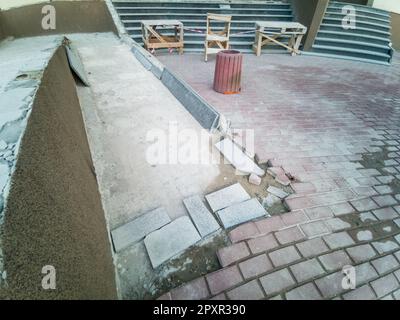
(277, 192)
(203, 219)
(241, 212)
(226, 197)
(138, 228)
(170, 240)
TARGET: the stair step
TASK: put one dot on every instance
(248, 24)
(352, 44)
(365, 54)
(199, 16)
(369, 31)
(336, 56)
(180, 4)
(363, 24)
(339, 4)
(203, 10)
(384, 21)
(353, 36)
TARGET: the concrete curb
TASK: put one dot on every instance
(200, 109)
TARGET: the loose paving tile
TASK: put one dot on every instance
(170, 240)
(277, 192)
(364, 235)
(138, 228)
(241, 212)
(227, 196)
(238, 158)
(202, 218)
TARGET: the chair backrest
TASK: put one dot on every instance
(219, 18)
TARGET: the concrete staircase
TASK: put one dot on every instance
(193, 16)
(369, 42)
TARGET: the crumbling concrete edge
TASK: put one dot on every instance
(200, 109)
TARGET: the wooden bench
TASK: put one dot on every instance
(153, 39)
(270, 31)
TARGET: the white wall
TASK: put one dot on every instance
(389, 5)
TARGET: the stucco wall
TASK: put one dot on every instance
(71, 17)
(389, 5)
(54, 214)
(396, 31)
(7, 4)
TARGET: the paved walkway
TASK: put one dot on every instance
(334, 125)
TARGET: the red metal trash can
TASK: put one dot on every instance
(228, 72)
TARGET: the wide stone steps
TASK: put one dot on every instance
(368, 42)
(193, 16)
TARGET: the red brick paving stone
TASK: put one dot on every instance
(165, 296)
(341, 209)
(306, 270)
(365, 273)
(319, 213)
(384, 246)
(294, 217)
(282, 179)
(362, 293)
(223, 279)
(277, 281)
(385, 213)
(312, 247)
(247, 291)
(335, 260)
(262, 243)
(315, 228)
(284, 256)
(304, 292)
(255, 266)
(289, 235)
(385, 285)
(303, 187)
(298, 203)
(330, 285)
(193, 290)
(384, 201)
(274, 171)
(364, 204)
(338, 240)
(233, 253)
(243, 232)
(361, 253)
(385, 264)
(270, 224)
(337, 224)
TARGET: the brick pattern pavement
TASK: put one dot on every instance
(334, 126)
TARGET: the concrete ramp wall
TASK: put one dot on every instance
(71, 17)
(54, 214)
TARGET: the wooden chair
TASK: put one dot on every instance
(218, 40)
